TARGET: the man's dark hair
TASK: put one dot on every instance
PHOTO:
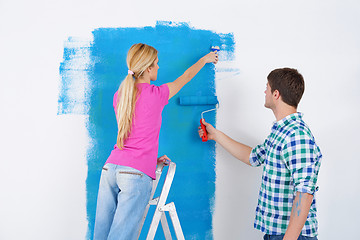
(290, 84)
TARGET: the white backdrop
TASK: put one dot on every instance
(43, 186)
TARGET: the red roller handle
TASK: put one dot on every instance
(204, 137)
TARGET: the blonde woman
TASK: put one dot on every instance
(126, 178)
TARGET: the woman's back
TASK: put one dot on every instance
(141, 147)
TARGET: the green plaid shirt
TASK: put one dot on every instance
(291, 162)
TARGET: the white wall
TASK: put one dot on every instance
(43, 187)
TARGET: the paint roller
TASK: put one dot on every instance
(215, 49)
(200, 100)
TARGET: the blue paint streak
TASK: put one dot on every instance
(179, 47)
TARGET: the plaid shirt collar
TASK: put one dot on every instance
(286, 120)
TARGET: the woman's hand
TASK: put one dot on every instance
(211, 57)
(164, 159)
(211, 131)
(175, 86)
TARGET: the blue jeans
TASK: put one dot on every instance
(280, 237)
(123, 195)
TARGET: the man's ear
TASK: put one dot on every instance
(276, 94)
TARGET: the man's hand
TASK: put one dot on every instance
(238, 150)
(211, 131)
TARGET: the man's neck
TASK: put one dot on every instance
(283, 110)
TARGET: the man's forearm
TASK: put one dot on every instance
(238, 150)
(299, 213)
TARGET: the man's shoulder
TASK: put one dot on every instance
(298, 129)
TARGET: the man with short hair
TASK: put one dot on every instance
(286, 206)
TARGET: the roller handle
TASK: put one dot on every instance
(204, 137)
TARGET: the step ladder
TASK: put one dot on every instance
(161, 207)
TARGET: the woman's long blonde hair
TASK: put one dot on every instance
(139, 58)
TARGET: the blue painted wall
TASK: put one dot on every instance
(179, 47)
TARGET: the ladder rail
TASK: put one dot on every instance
(161, 202)
(159, 169)
(162, 207)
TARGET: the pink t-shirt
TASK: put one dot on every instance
(141, 147)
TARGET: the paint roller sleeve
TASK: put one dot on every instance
(198, 100)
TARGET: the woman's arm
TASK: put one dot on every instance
(175, 86)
